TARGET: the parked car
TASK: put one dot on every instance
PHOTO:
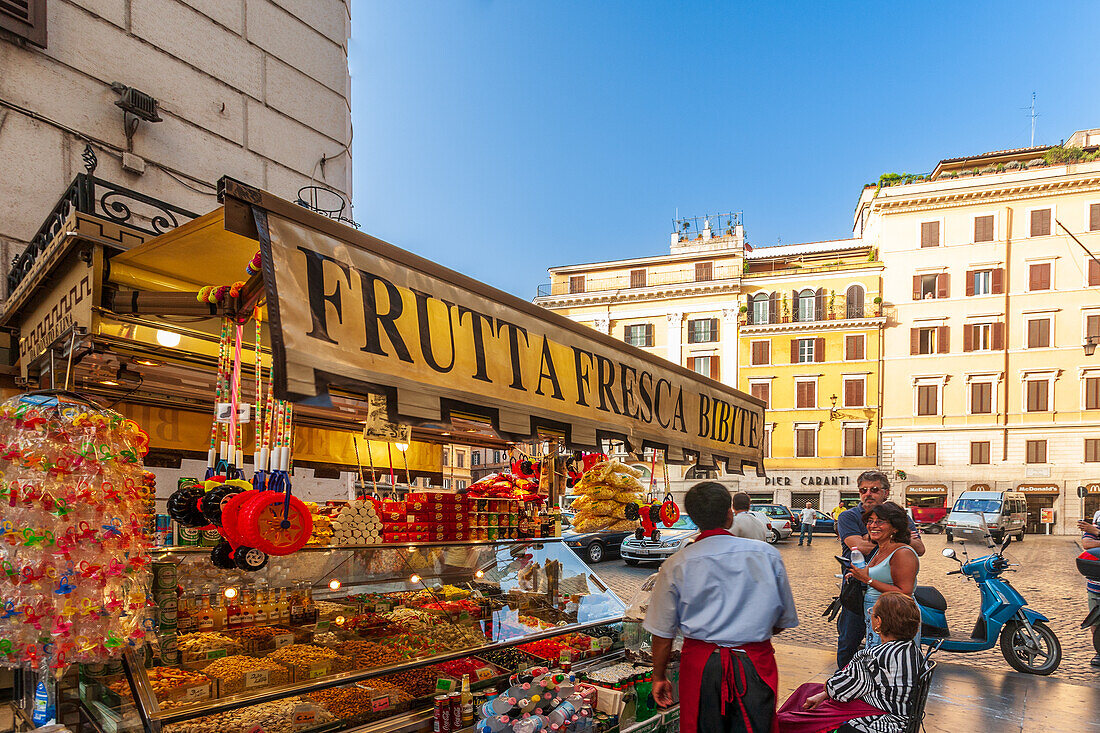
(778, 511)
(778, 527)
(672, 538)
(593, 547)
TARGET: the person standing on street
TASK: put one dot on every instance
(807, 516)
(874, 488)
(1090, 540)
(727, 596)
(745, 523)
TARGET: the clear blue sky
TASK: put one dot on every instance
(500, 138)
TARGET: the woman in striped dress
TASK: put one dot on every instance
(874, 693)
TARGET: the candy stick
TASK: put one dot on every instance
(389, 460)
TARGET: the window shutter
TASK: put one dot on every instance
(914, 341)
(943, 341)
(794, 351)
(714, 335)
(968, 337)
(714, 371)
(1094, 272)
(983, 228)
(942, 285)
(998, 336)
(969, 282)
(691, 363)
(1092, 325)
(1040, 222)
(794, 305)
(773, 308)
(1094, 217)
(1092, 393)
(649, 334)
(819, 349)
(998, 280)
(930, 234)
(819, 305)
(916, 287)
(26, 19)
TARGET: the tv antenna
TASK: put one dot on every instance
(1032, 115)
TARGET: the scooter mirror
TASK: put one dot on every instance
(948, 552)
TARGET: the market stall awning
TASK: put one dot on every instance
(349, 311)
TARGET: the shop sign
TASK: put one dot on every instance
(981, 487)
(1039, 488)
(1046, 515)
(68, 304)
(926, 489)
(809, 480)
(1092, 488)
(346, 309)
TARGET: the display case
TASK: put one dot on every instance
(337, 637)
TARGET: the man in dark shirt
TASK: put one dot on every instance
(874, 489)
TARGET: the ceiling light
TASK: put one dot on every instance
(334, 584)
(401, 446)
(414, 578)
(171, 339)
(109, 382)
(479, 574)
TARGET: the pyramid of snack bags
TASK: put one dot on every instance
(605, 489)
(76, 530)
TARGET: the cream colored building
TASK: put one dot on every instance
(255, 90)
(991, 300)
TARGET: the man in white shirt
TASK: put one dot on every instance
(807, 516)
(745, 523)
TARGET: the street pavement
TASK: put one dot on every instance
(1047, 578)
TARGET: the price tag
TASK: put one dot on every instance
(378, 704)
(304, 716)
(256, 728)
(282, 640)
(216, 653)
(606, 642)
(383, 607)
(198, 692)
(594, 645)
(322, 626)
(318, 670)
(444, 684)
(484, 673)
(565, 657)
(256, 678)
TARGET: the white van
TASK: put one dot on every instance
(1004, 514)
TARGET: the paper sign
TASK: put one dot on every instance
(322, 626)
(225, 412)
(444, 684)
(257, 728)
(1046, 515)
(318, 670)
(256, 678)
(303, 716)
(282, 640)
(484, 673)
(198, 692)
(216, 653)
(378, 704)
(594, 645)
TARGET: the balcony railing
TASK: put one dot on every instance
(626, 281)
(836, 309)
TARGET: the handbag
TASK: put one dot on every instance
(851, 595)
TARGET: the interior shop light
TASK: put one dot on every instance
(334, 584)
(171, 339)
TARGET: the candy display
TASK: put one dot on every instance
(605, 491)
(308, 660)
(76, 527)
(238, 673)
(357, 524)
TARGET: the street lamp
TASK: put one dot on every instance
(833, 414)
(1090, 344)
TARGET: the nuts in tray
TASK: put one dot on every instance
(169, 682)
(201, 643)
(371, 654)
(308, 661)
(239, 673)
(270, 717)
(344, 702)
(415, 682)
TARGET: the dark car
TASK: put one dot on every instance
(778, 511)
(823, 523)
(593, 547)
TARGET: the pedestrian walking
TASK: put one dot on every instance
(745, 523)
(807, 516)
(874, 489)
(727, 595)
(895, 564)
(1090, 540)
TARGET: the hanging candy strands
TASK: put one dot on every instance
(259, 392)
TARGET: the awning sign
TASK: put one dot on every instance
(346, 309)
(926, 489)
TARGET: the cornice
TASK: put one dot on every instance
(629, 295)
(953, 198)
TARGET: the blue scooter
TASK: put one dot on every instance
(1027, 643)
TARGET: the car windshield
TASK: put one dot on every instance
(973, 506)
(684, 522)
(774, 511)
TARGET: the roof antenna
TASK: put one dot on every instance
(1033, 116)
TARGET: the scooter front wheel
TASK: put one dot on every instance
(1022, 653)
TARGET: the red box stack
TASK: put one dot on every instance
(395, 524)
(436, 516)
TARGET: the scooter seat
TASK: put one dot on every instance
(929, 597)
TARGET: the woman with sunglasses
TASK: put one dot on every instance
(894, 565)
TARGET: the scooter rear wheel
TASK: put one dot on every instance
(1023, 656)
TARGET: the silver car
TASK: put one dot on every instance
(778, 527)
(634, 550)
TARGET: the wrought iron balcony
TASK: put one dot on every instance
(837, 308)
(90, 195)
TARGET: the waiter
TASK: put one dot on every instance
(727, 596)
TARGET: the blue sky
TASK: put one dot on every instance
(501, 138)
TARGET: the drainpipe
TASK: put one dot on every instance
(1007, 332)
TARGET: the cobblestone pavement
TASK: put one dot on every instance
(1047, 578)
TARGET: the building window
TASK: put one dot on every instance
(1093, 272)
(1092, 393)
(1037, 395)
(928, 399)
(761, 310)
(804, 351)
(763, 392)
(1040, 223)
(1038, 276)
(761, 352)
(854, 393)
(1036, 451)
(460, 460)
(475, 458)
(640, 334)
(806, 301)
(979, 336)
(805, 394)
(983, 228)
(1092, 326)
(805, 442)
(981, 282)
(1092, 450)
(767, 446)
(704, 271)
(854, 348)
(979, 453)
(926, 454)
(928, 287)
(853, 441)
(702, 330)
(1094, 217)
(705, 365)
(637, 278)
(1038, 333)
(981, 398)
(928, 340)
(446, 483)
(854, 298)
(930, 234)
(576, 284)
(446, 457)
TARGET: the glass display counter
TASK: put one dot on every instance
(331, 638)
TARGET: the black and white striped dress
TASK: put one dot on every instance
(884, 676)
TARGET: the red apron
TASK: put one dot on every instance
(694, 656)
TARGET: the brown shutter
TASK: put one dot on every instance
(1092, 393)
(916, 287)
(714, 371)
(930, 234)
(914, 341)
(1040, 222)
(26, 19)
(999, 280)
(715, 336)
(968, 337)
(943, 281)
(943, 340)
(773, 308)
(691, 363)
(983, 228)
(998, 336)
(794, 351)
(1094, 272)
(649, 334)
(819, 305)
(1094, 217)
(819, 349)
(794, 305)
(969, 282)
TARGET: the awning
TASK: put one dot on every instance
(1039, 488)
(925, 489)
(351, 312)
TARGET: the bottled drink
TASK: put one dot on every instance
(857, 559)
(467, 699)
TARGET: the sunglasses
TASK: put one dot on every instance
(871, 490)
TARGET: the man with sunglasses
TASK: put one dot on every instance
(874, 489)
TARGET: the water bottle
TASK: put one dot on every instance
(531, 724)
(44, 712)
(857, 559)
